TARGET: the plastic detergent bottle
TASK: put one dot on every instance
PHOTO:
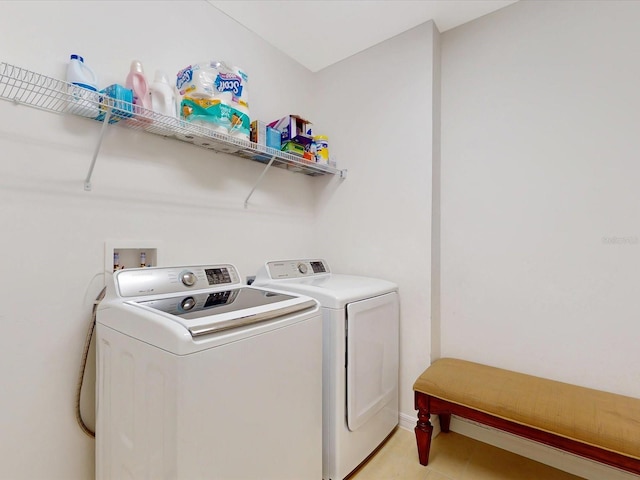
(137, 82)
(85, 103)
(163, 96)
(322, 148)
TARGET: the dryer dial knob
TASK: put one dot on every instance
(188, 303)
(302, 268)
(189, 279)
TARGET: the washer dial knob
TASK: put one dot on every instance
(188, 279)
(188, 303)
(302, 268)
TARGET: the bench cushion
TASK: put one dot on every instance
(602, 419)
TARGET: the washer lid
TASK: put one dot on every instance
(332, 290)
(206, 312)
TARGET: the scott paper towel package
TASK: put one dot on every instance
(216, 96)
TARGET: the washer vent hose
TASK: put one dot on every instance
(83, 364)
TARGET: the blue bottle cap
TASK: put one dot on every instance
(77, 57)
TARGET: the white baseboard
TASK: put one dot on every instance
(554, 457)
(408, 422)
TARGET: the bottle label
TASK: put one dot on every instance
(86, 86)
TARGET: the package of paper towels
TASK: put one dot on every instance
(216, 96)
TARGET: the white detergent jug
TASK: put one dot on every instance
(84, 97)
(163, 96)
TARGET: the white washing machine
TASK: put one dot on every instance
(360, 357)
(199, 377)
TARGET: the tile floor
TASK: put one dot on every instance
(453, 457)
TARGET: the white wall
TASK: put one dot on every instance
(538, 250)
(377, 107)
(540, 205)
(188, 200)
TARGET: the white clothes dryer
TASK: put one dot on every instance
(360, 318)
(201, 377)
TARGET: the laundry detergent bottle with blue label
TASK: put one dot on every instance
(84, 99)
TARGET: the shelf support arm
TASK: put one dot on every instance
(87, 181)
(246, 200)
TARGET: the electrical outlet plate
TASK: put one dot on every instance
(129, 252)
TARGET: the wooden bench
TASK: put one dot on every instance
(601, 426)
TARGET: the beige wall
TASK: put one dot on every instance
(189, 201)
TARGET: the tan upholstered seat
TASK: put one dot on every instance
(606, 420)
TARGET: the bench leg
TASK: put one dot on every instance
(445, 421)
(423, 427)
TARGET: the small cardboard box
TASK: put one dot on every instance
(293, 147)
(262, 134)
(294, 128)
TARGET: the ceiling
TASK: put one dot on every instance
(319, 33)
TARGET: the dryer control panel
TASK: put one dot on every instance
(297, 268)
(136, 282)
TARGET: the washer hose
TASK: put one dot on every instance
(83, 364)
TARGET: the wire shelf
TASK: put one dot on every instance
(45, 93)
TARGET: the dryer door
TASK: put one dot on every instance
(372, 357)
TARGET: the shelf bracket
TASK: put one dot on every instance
(246, 200)
(103, 129)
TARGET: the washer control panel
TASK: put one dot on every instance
(137, 282)
(188, 278)
(297, 268)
